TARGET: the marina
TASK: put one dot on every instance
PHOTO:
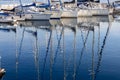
(59, 40)
(58, 9)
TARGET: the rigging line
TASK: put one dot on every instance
(36, 47)
(47, 52)
(70, 57)
(74, 74)
(64, 56)
(82, 35)
(90, 4)
(104, 41)
(74, 47)
(18, 53)
(49, 4)
(101, 51)
(84, 46)
(36, 54)
(61, 4)
(93, 43)
(82, 53)
(21, 43)
(98, 40)
(21, 4)
(57, 34)
(51, 58)
(59, 41)
(108, 2)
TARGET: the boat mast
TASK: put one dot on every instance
(75, 3)
(93, 43)
(100, 52)
(34, 0)
(74, 57)
(47, 51)
(51, 58)
(64, 55)
(49, 3)
(36, 54)
(108, 2)
(21, 5)
(58, 46)
(61, 4)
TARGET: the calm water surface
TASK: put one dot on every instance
(66, 49)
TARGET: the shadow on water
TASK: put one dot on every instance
(71, 31)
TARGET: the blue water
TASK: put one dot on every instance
(66, 49)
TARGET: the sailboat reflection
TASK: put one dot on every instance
(47, 50)
(67, 42)
(101, 51)
(36, 53)
(33, 23)
(18, 50)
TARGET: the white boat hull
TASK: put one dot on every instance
(55, 14)
(93, 12)
(93, 9)
(18, 18)
(100, 12)
(84, 12)
(37, 16)
(69, 14)
(6, 19)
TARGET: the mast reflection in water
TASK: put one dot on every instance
(67, 49)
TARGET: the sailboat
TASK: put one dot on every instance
(94, 9)
(55, 9)
(5, 18)
(69, 10)
(116, 6)
(27, 13)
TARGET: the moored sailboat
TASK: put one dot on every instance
(70, 9)
(55, 9)
(27, 13)
(94, 8)
(5, 18)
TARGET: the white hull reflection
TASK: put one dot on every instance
(32, 23)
